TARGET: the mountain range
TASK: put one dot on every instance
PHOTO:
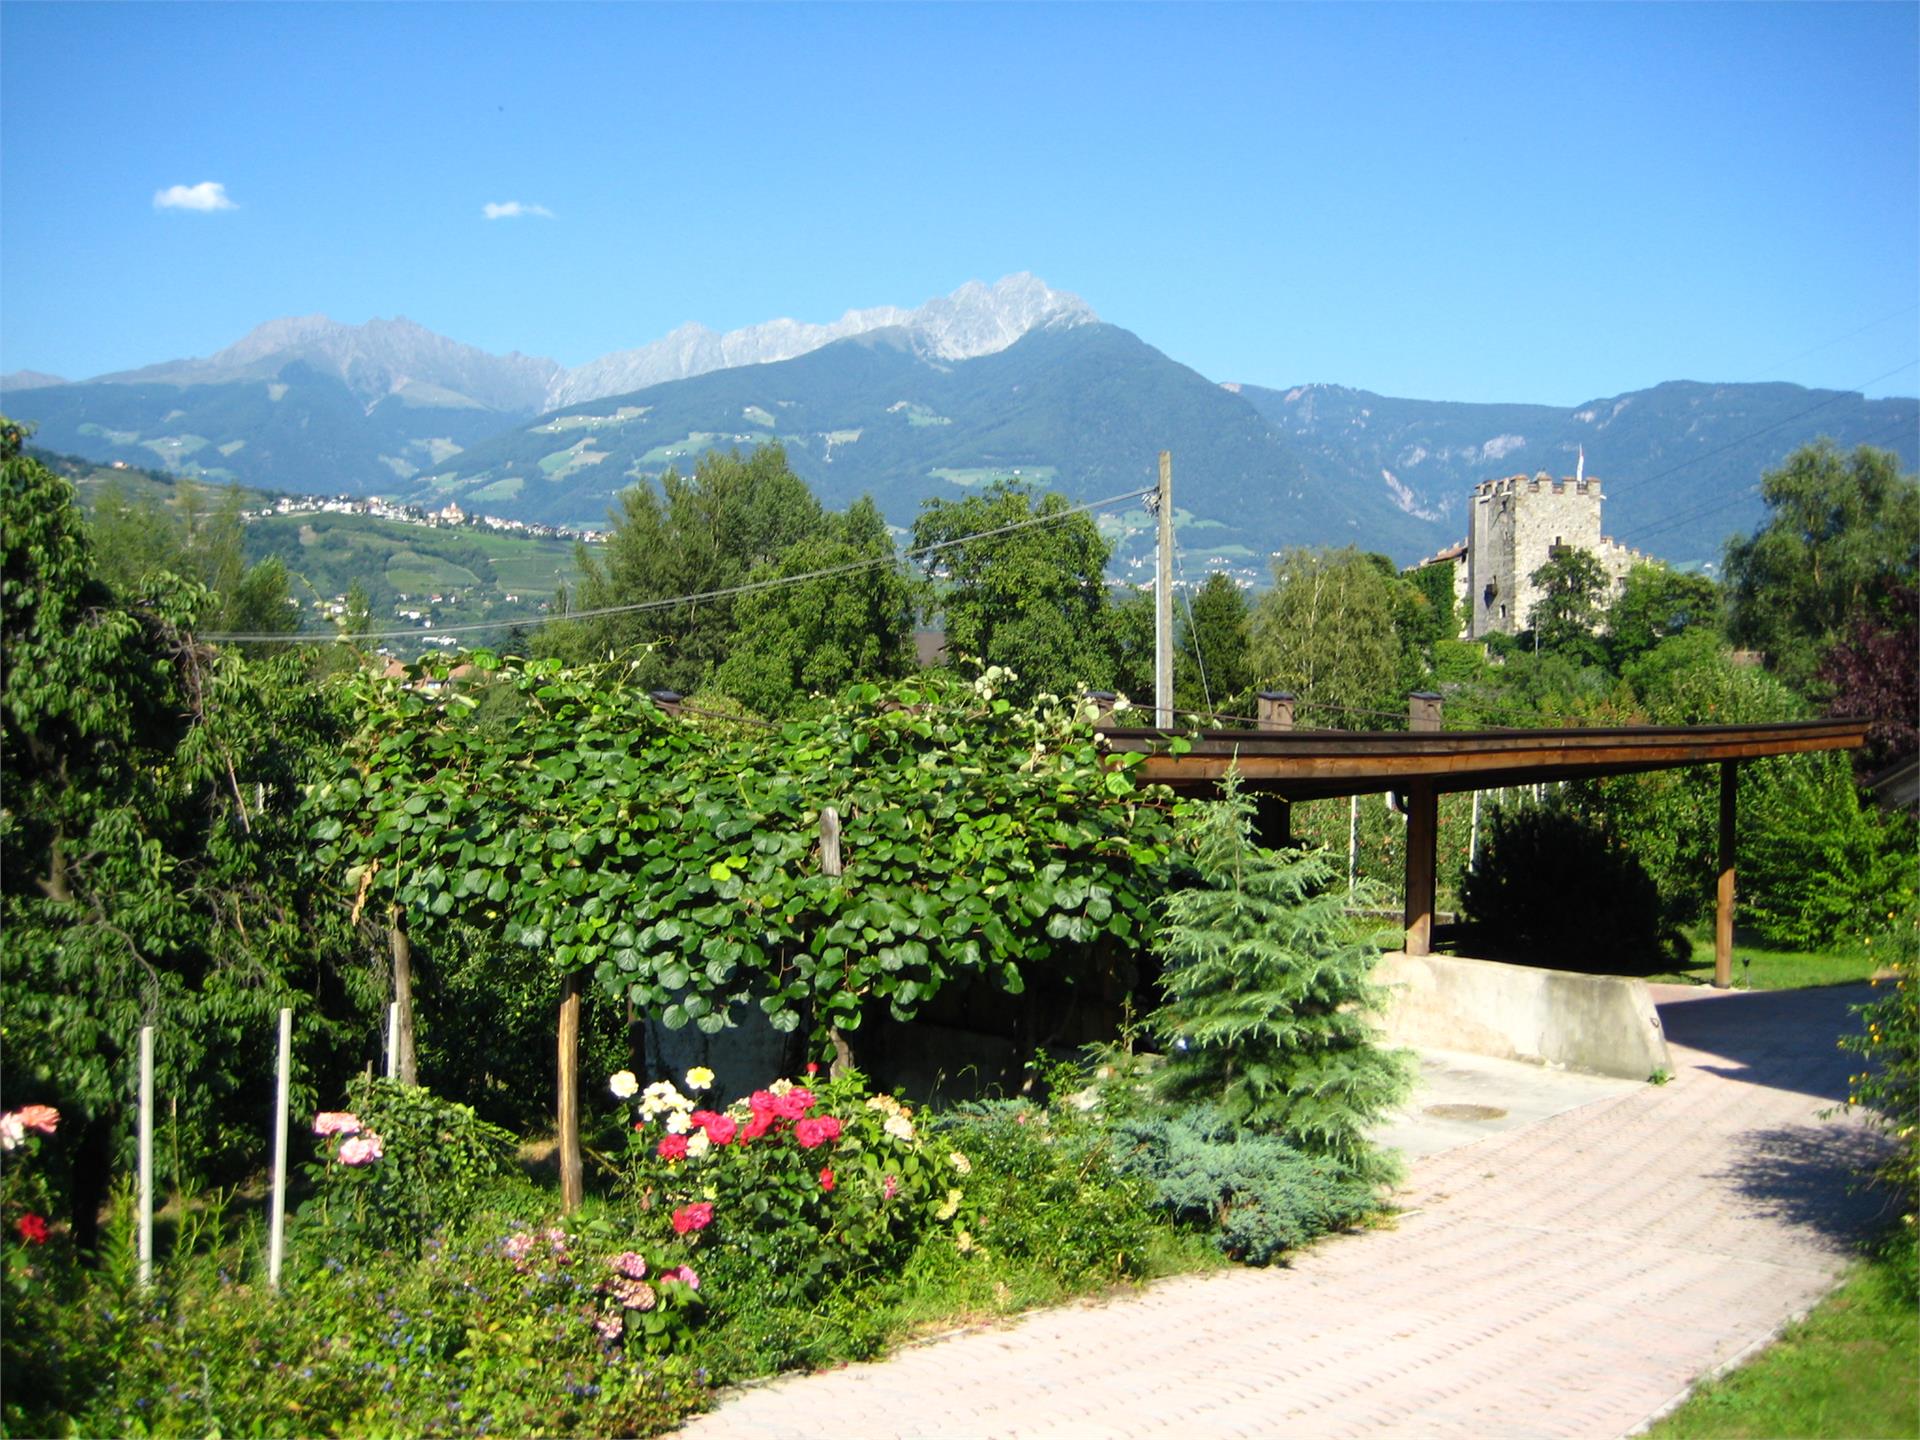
(1012, 379)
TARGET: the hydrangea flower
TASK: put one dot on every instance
(361, 1149)
(899, 1127)
(959, 1162)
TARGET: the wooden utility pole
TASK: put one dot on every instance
(572, 1173)
(1723, 899)
(1163, 600)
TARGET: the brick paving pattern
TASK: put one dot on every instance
(1568, 1279)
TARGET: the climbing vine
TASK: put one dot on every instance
(677, 858)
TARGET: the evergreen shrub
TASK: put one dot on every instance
(1261, 1195)
(1267, 1011)
(1553, 888)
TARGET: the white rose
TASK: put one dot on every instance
(625, 1084)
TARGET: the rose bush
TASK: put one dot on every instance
(801, 1185)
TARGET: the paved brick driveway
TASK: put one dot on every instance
(1569, 1278)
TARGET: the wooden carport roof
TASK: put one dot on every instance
(1423, 763)
(1313, 764)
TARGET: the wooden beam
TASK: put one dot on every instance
(1723, 899)
(1423, 824)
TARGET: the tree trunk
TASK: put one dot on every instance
(404, 1067)
(572, 1179)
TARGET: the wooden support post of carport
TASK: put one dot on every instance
(1723, 898)
(1423, 826)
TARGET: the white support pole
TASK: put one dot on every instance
(276, 1244)
(1473, 835)
(146, 1155)
(1353, 843)
(393, 1040)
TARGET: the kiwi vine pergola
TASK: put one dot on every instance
(1423, 762)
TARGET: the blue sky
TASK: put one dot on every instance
(1543, 203)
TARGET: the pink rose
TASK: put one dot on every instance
(793, 1104)
(361, 1149)
(890, 1187)
(816, 1131)
(672, 1147)
(720, 1128)
(692, 1217)
(43, 1118)
(336, 1122)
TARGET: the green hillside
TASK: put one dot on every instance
(449, 576)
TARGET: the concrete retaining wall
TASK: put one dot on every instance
(1605, 1024)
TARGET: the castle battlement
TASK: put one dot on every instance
(1537, 484)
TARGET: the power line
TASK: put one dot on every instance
(1688, 516)
(827, 572)
(1756, 434)
(1774, 370)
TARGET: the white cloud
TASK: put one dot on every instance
(207, 195)
(514, 210)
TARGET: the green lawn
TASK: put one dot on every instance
(1848, 1369)
(1756, 967)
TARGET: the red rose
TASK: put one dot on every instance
(672, 1147)
(761, 1122)
(692, 1217)
(826, 1177)
(32, 1228)
(721, 1129)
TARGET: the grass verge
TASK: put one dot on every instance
(1756, 967)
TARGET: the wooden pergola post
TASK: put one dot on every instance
(572, 1172)
(1723, 899)
(1423, 828)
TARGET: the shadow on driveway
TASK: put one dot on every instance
(1783, 1039)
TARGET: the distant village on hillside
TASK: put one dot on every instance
(448, 515)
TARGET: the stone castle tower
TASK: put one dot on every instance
(1517, 525)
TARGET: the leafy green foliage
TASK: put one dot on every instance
(1837, 526)
(1568, 612)
(1326, 633)
(1212, 669)
(1267, 996)
(467, 1339)
(694, 534)
(438, 1160)
(1888, 1044)
(1033, 601)
(1554, 887)
(1046, 1189)
(676, 860)
(152, 867)
(1658, 603)
(821, 635)
(138, 540)
(1260, 1195)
